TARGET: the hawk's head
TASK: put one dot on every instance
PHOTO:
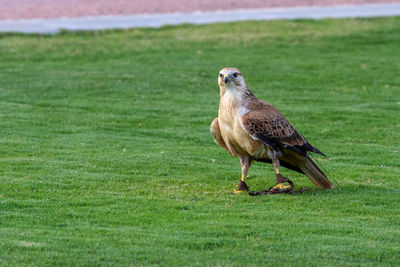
(231, 78)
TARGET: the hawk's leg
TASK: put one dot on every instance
(245, 162)
(280, 187)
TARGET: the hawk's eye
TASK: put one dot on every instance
(221, 76)
(235, 74)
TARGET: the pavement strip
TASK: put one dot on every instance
(51, 26)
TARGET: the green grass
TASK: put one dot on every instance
(106, 156)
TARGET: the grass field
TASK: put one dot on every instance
(106, 156)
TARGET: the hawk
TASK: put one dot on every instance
(254, 130)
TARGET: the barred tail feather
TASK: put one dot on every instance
(315, 174)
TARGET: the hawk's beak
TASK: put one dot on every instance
(227, 77)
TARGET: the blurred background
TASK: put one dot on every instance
(27, 9)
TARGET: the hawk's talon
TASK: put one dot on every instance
(239, 191)
(241, 188)
(281, 186)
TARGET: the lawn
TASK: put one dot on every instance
(106, 156)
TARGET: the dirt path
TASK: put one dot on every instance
(26, 9)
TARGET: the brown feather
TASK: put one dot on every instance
(263, 119)
(308, 167)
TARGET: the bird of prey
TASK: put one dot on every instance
(254, 130)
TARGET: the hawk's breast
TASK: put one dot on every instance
(238, 141)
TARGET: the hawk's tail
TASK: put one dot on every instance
(315, 174)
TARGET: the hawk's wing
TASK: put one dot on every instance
(266, 124)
